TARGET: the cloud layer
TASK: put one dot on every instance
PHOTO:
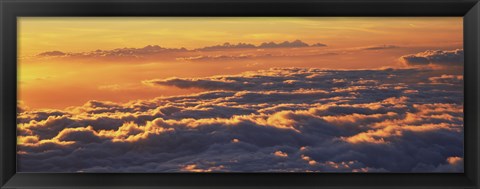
(435, 57)
(276, 120)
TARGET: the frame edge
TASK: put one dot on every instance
(7, 95)
(471, 55)
(472, 91)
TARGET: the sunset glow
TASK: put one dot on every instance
(224, 94)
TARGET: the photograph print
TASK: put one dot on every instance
(240, 94)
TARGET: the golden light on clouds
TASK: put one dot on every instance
(240, 94)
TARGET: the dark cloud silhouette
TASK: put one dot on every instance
(52, 53)
(228, 46)
(285, 44)
(156, 49)
(435, 57)
(119, 52)
(318, 45)
(381, 47)
(149, 49)
(276, 120)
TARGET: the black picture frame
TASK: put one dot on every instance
(11, 9)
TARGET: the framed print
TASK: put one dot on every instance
(223, 104)
(227, 94)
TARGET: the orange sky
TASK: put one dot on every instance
(62, 82)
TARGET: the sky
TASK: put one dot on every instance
(79, 34)
(203, 94)
(345, 38)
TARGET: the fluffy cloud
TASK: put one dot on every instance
(21, 107)
(276, 120)
(435, 57)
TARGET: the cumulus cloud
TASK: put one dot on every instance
(447, 79)
(435, 57)
(21, 107)
(275, 120)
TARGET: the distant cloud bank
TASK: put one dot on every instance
(381, 47)
(155, 49)
(119, 52)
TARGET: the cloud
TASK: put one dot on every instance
(52, 53)
(381, 47)
(447, 79)
(216, 58)
(280, 154)
(118, 52)
(275, 120)
(228, 46)
(318, 45)
(286, 44)
(452, 164)
(196, 168)
(435, 57)
(21, 107)
(151, 50)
